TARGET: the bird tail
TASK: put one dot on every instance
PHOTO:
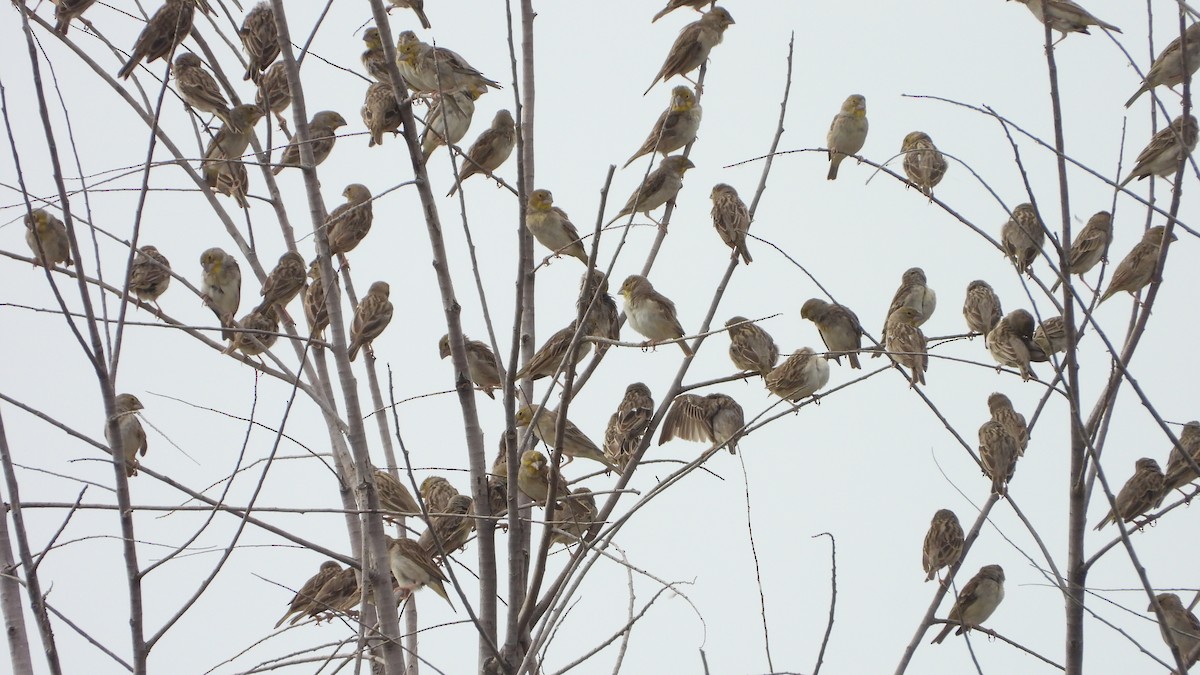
(354, 347)
(834, 162)
(660, 15)
(127, 69)
(1141, 90)
(854, 361)
(942, 635)
(425, 20)
(745, 252)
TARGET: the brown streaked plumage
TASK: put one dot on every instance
(731, 219)
(801, 374)
(628, 424)
(693, 44)
(1140, 493)
(751, 347)
(372, 317)
(303, 601)
(943, 543)
(715, 418)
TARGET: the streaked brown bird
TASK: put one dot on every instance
(1022, 236)
(676, 126)
(380, 112)
(1140, 493)
(452, 525)
(437, 493)
(906, 344)
(348, 224)
(673, 5)
(572, 516)
(751, 347)
(47, 238)
(981, 308)
(1090, 245)
(628, 424)
(284, 282)
(693, 44)
(839, 328)
(164, 31)
(575, 444)
(1136, 270)
(914, 291)
(483, 368)
(1049, 338)
(731, 219)
(547, 359)
(373, 315)
(1182, 629)
(1162, 154)
(1009, 342)
(923, 163)
(943, 543)
(552, 227)
(1179, 470)
(977, 600)
(261, 330)
(490, 150)
(303, 601)
(314, 302)
(394, 497)
(715, 418)
(603, 320)
(66, 10)
(1173, 65)
(274, 93)
(322, 135)
(1001, 409)
(418, 8)
(198, 88)
(801, 374)
(260, 39)
(998, 451)
(661, 186)
(149, 275)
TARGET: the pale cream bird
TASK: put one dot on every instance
(449, 119)
(47, 238)
(221, 286)
(1049, 338)
(414, 569)
(1065, 16)
(198, 88)
(847, 133)
(534, 476)
(976, 602)
(800, 375)
(651, 313)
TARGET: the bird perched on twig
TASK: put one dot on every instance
(394, 497)
(1009, 341)
(1001, 409)
(924, 164)
(1173, 65)
(800, 375)
(546, 360)
(628, 424)
(751, 347)
(449, 119)
(975, 602)
(483, 367)
(1141, 492)
(847, 132)
(552, 227)
(1136, 269)
(274, 93)
(314, 302)
(373, 315)
(284, 282)
(380, 112)
(1049, 338)
(322, 134)
(437, 493)
(164, 31)
(534, 476)
(1065, 17)
(1090, 245)
(715, 418)
(260, 330)
(1179, 469)
(660, 187)
(490, 150)
(676, 126)
(981, 308)
(452, 525)
(673, 5)
(943, 543)
(130, 433)
(348, 224)
(1022, 235)
(304, 599)
(998, 451)
(198, 88)
(414, 569)
(574, 443)
(1166, 149)
(47, 237)
(906, 343)
(260, 39)
(1182, 629)
(839, 328)
(418, 8)
(428, 69)
(222, 164)
(651, 313)
(691, 48)
(731, 219)
(914, 292)
(149, 275)
(601, 318)
(66, 10)
(221, 286)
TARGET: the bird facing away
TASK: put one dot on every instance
(1001, 409)
(260, 39)
(914, 292)
(998, 452)
(906, 344)
(149, 275)
(981, 308)
(628, 424)
(1182, 628)
(1022, 236)
(303, 601)
(348, 224)
(923, 163)
(975, 602)
(715, 418)
(1179, 470)
(129, 431)
(943, 543)
(751, 347)
(847, 133)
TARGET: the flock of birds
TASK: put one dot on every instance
(1014, 339)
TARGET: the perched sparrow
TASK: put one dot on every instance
(1182, 629)
(906, 343)
(65, 10)
(349, 223)
(676, 126)
(373, 59)
(1162, 154)
(913, 292)
(1001, 408)
(47, 238)
(628, 424)
(923, 163)
(314, 302)
(847, 133)
(1179, 470)
(449, 119)
(373, 315)
(552, 227)
(546, 360)
(322, 134)
(715, 418)
(943, 543)
(428, 69)
(284, 282)
(731, 219)
(839, 328)
(981, 309)
(483, 367)
(673, 5)
(1091, 244)
(572, 516)
(437, 493)
(198, 88)
(976, 601)
(490, 150)
(418, 8)
(1172, 65)
(998, 451)
(1065, 16)
(1140, 493)
(1136, 270)
(342, 593)
(691, 48)
(302, 602)
(222, 164)
(575, 443)
(265, 327)
(380, 112)
(800, 375)
(1022, 236)
(165, 30)
(260, 39)
(452, 525)
(274, 93)
(221, 286)
(534, 478)
(1009, 342)
(394, 497)
(660, 187)
(131, 435)
(413, 568)
(149, 275)
(751, 347)
(603, 319)
(651, 313)
(1050, 338)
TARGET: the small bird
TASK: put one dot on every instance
(1140, 493)
(47, 237)
(1090, 245)
(976, 601)
(314, 302)
(373, 59)
(221, 286)
(394, 497)
(800, 375)
(428, 69)
(380, 112)
(322, 134)
(914, 292)
(264, 327)
(534, 477)
(552, 227)
(1001, 409)
(547, 359)
(490, 150)
(222, 164)
(66, 10)
(1009, 342)
(1065, 17)
(661, 186)
(847, 133)
(981, 308)
(691, 48)
(1136, 269)
(274, 93)
(164, 31)
(731, 219)
(924, 164)
(676, 126)
(751, 347)
(130, 434)
(1179, 470)
(1173, 65)
(418, 8)
(260, 39)
(998, 451)
(452, 526)
(1022, 236)
(198, 88)
(449, 119)
(575, 443)
(284, 282)
(1162, 155)
(906, 343)
(651, 313)
(943, 543)
(1182, 629)
(349, 223)
(602, 318)
(373, 315)
(673, 5)
(302, 602)
(484, 369)
(414, 569)
(149, 275)
(628, 424)
(1050, 338)
(572, 516)
(437, 493)
(715, 418)
(342, 593)
(839, 328)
